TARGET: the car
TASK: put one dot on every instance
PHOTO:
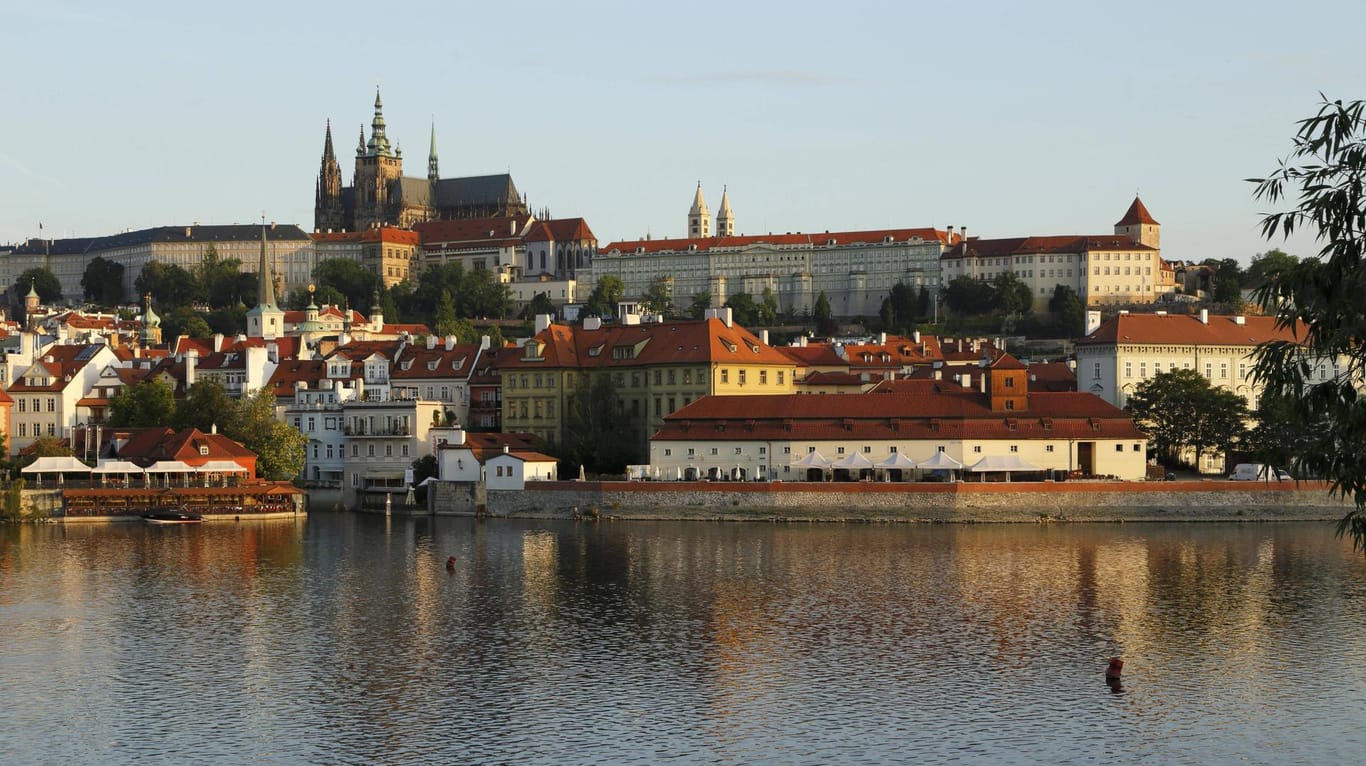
(1258, 472)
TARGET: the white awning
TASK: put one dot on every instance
(170, 466)
(220, 466)
(66, 464)
(118, 466)
(995, 463)
(940, 462)
(853, 462)
(897, 460)
(812, 459)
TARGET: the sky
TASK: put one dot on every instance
(1009, 118)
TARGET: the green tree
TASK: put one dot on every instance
(1320, 298)
(700, 303)
(444, 322)
(47, 284)
(607, 293)
(147, 404)
(769, 310)
(206, 405)
(1012, 296)
(221, 281)
(1180, 410)
(742, 310)
(658, 297)
(1228, 280)
(823, 315)
(970, 297)
(598, 436)
(103, 282)
(1067, 306)
(230, 321)
(540, 304)
(170, 285)
(1279, 436)
(350, 279)
(279, 447)
(1267, 265)
(184, 320)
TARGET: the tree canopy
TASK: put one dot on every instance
(47, 284)
(102, 282)
(597, 434)
(1180, 410)
(605, 296)
(1318, 187)
(145, 405)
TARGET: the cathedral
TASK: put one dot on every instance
(380, 195)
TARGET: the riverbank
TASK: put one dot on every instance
(1079, 501)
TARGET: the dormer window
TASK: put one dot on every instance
(203, 450)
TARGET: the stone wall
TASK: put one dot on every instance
(457, 498)
(1074, 501)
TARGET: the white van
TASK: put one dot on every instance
(1257, 472)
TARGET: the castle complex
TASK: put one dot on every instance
(380, 195)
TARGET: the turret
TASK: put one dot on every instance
(725, 219)
(699, 218)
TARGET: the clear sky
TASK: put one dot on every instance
(1010, 118)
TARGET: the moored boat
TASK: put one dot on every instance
(172, 517)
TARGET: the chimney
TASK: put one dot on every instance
(542, 322)
(725, 315)
(1204, 316)
(485, 343)
(191, 360)
(217, 342)
(882, 339)
(592, 323)
(915, 336)
(505, 449)
(450, 342)
(1240, 320)
(431, 342)
(213, 427)
(1092, 321)
(763, 336)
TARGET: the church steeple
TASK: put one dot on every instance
(433, 173)
(725, 219)
(265, 320)
(360, 145)
(379, 143)
(327, 208)
(699, 218)
(265, 292)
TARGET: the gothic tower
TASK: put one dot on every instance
(266, 319)
(433, 173)
(327, 209)
(377, 167)
(1139, 226)
(725, 219)
(699, 218)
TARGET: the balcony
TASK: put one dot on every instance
(378, 431)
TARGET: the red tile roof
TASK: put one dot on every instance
(826, 239)
(683, 342)
(470, 230)
(1187, 330)
(382, 234)
(950, 413)
(1136, 214)
(977, 247)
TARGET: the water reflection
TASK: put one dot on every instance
(345, 639)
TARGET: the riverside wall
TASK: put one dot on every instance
(921, 502)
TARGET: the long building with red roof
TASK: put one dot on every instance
(854, 269)
(1123, 268)
(995, 427)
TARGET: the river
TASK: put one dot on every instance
(346, 639)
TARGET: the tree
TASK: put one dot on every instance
(1279, 435)
(444, 322)
(147, 404)
(700, 303)
(1266, 266)
(103, 282)
(658, 298)
(206, 405)
(540, 304)
(222, 283)
(769, 309)
(1012, 295)
(229, 321)
(1070, 312)
(605, 296)
(169, 284)
(279, 448)
(742, 309)
(969, 296)
(1180, 410)
(43, 280)
(597, 435)
(1228, 279)
(353, 281)
(184, 320)
(1319, 299)
(823, 316)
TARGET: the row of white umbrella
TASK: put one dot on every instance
(72, 465)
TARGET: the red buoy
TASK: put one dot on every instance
(450, 564)
(1115, 669)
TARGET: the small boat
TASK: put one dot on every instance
(172, 517)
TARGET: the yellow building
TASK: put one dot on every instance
(656, 368)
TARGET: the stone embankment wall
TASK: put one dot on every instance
(455, 498)
(959, 502)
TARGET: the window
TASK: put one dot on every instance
(941, 448)
(355, 450)
(725, 375)
(23, 429)
(737, 450)
(1010, 404)
(840, 450)
(1048, 448)
(867, 449)
(1128, 369)
(22, 402)
(1143, 370)
(51, 429)
(1096, 373)
(892, 449)
(205, 451)
(329, 452)
(668, 452)
(52, 404)
(1014, 448)
(977, 449)
(1119, 448)
(1138, 448)
(1223, 370)
(780, 377)
(691, 452)
(370, 450)
(742, 377)
(713, 450)
(763, 450)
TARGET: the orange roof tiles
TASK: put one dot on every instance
(682, 342)
(1187, 330)
(1137, 214)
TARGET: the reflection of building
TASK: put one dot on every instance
(999, 427)
(1121, 268)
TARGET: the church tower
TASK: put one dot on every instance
(699, 218)
(265, 320)
(725, 219)
(1139, 226)
(378, 166)
(433, 172)
(327, 209)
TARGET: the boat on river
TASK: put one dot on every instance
(172, 517)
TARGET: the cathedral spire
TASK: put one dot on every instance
(725, 219)
(699, 218)
(360, 146)
(379, 143)
(265, 292)
(327, 208)
(433, 174)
